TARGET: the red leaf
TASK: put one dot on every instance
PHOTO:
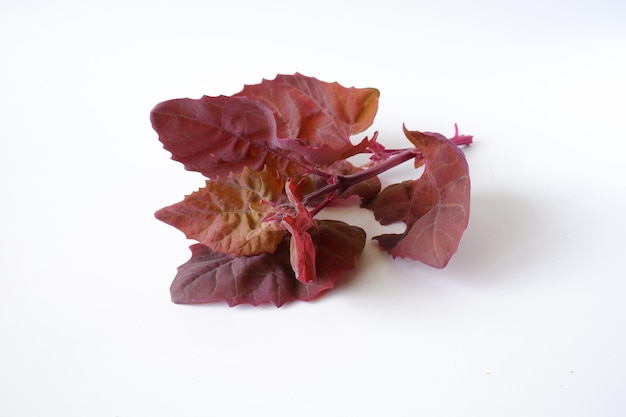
(219, 135)
(316, 119)
(227, 215)
(435, 207)
(337, 246)
(266, 278)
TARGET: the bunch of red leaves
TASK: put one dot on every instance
(275, 154)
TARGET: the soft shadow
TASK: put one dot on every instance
(500, 237)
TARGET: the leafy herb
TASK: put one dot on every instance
(275, 155)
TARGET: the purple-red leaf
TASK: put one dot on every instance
(276, 155)
(435, 208)
(315, 119)
(219, 135)
(266, 278)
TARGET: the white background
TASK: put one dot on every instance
(528, 319)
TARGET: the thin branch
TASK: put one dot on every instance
(343, 182)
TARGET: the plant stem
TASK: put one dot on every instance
(343, 182)
(320, 206)
(397, 156)
(460, 140)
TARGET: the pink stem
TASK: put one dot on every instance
(345, 181)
